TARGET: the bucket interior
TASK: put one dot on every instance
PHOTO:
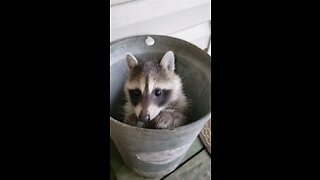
(192, 66)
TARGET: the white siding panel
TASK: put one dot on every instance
(198, 35)
(193, 32)
(164, 25)
(201, 42)
(143, 10)
(184, 19)
(115, 2)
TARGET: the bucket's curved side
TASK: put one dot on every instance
(153, 153)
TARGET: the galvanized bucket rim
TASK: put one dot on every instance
(203, 118)
(165, 36)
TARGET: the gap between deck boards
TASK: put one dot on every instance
(184, 162)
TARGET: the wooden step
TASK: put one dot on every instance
(198, 168)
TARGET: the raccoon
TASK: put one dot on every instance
(154, 94)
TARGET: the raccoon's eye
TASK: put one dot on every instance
(157, 92)
(136, 93)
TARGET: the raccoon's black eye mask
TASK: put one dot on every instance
(159, 96)
(135, 95)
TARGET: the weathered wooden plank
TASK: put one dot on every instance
(112, 176)
(123, 173)
(205, 136)
(198, 168)
(194, 149)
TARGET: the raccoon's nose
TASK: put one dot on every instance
(144, 118)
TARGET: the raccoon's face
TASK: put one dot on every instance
(151, 85)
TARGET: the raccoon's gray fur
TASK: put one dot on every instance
(154, 93)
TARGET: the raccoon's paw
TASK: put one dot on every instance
(132, 120)
(168, 120)
(163, 121)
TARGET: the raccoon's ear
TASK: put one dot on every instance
(167, 62)
(131, 61)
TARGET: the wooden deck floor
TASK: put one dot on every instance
(195, 165)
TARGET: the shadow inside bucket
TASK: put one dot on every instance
(196, 86)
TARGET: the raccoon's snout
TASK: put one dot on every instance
(144, 117)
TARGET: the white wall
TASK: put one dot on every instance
(185, 19)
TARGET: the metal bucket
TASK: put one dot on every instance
(152, 152)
